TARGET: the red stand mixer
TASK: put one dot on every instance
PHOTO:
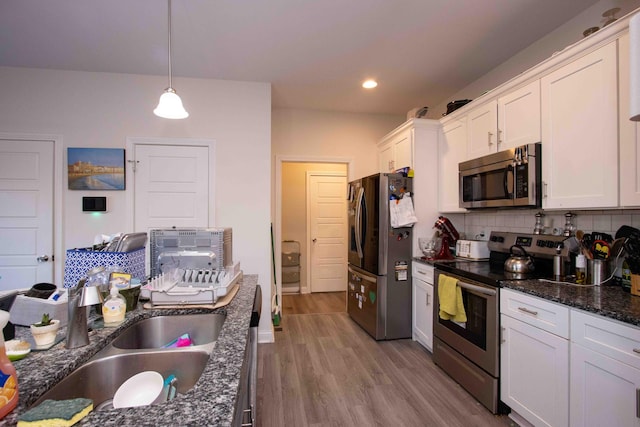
(449, 237)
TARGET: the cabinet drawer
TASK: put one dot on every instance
(613, 339)
(423, 271)
(548, 316)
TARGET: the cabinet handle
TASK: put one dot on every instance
(422, 272)
(499, 136)
(502, 329)
(526, 310)
(638, 403)
(636, 350)
(490, 135)
(427, 299)
(544, 190)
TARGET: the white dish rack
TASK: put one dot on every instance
(191, 286)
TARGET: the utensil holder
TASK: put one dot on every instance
(635, 284)
(597, 271)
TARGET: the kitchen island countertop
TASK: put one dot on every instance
(210, 402)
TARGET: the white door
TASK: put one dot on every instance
(26, 213)
(171, 186)
(327, 232)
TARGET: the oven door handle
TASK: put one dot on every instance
(476, 288)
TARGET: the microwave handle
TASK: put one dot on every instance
(509, 170)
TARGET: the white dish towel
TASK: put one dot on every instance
(401, 212)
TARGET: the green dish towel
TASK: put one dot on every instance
(450, 297)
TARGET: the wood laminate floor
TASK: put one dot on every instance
(324, 370)
(321, 302)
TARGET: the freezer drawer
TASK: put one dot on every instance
(362, 302)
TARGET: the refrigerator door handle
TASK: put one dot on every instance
(359, 222)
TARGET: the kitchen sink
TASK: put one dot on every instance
(155, 332)
(99, 379)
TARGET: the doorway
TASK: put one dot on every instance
(313, 206)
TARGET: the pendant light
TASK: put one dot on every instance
(170, 104)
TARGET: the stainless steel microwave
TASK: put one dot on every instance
(509, 178)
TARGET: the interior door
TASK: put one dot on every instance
(328, 232)
(26, 213)
(171, 187)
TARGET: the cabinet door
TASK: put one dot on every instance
(452, 149)
(423, 313)
(534, 378)
(385, 156)
(482, 125)
(604, 392)
(629, 135)
(403, 150)
(519, 117)
(579, 132)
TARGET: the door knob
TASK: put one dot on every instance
(43, 258)
(314, 240)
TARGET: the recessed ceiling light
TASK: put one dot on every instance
(369, 84)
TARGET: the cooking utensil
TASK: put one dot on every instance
(627, 231)
(600, 249)
(521, 264)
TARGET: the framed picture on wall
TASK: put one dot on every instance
(95, 168)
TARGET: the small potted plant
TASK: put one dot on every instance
(44, 332)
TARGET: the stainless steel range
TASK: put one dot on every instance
(469, 351)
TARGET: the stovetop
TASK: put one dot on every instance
(491, 272)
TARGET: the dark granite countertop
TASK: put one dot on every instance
(209, 403)
(605, 300)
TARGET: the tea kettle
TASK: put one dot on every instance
(521, 264)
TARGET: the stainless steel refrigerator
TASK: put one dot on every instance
(379, 291)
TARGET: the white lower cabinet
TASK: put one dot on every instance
(605, 372)
(534, 378)
(422, 313)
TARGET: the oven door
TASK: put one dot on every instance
(477, 339)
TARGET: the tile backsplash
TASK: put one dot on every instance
(479, 224)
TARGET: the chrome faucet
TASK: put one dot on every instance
(80, 297)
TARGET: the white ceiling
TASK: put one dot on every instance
(314, 52)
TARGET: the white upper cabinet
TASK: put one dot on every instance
(629, 135)
(580, 132)
(519, 117)
(482, 130)
(395, 151)
(511, 120)
(452, 149)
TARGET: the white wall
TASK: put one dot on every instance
(563, 36)
(103, 109)
(322, 134)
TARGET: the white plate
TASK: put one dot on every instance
(139, 390)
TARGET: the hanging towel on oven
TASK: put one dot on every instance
(450, 297)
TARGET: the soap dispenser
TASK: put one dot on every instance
(114, 308)
(8, 377)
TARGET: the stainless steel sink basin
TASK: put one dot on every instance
(156, 332)
(99, 379)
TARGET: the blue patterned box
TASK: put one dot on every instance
(79, 261)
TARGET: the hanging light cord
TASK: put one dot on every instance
(169, 44)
